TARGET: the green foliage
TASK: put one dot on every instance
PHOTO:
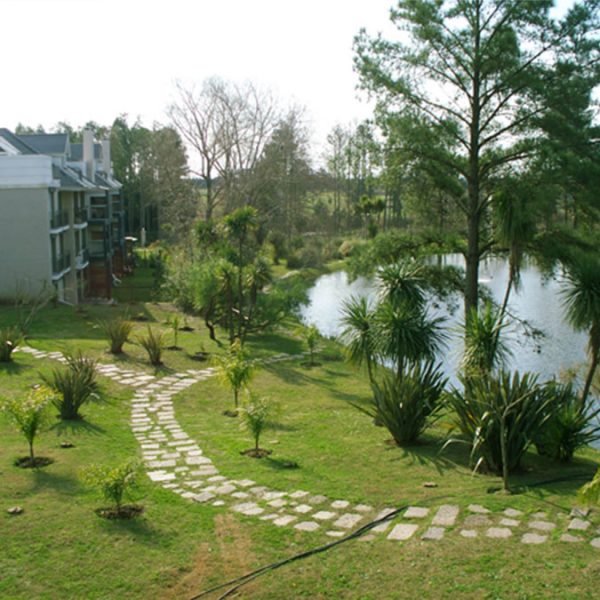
(311, 336)
(153, 343)
(234, 370)
(112, 482)
(175, 322)
(405, 405)
(30, 414)
(358, 334)
(500, 415)
(589, 494)
(255, 414)
(117, 331)
(73, 386)
(570, 425)
(10, 338)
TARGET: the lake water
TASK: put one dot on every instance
(538, 301)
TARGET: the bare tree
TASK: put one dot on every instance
(226, 127)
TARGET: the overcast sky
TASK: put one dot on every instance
(80, 60)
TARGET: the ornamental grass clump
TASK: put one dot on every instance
(10, 338)
(255, 415)
(117, 331)
(114, 483)
(154, 344)
(74, 386)
(30, 415)
(406, 405)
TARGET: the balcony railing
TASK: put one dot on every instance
(61, 263)
(82, 258)
(97, 248)
(81, 216)
(59, 219)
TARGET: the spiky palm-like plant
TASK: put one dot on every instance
(401, 283)
(358, 335)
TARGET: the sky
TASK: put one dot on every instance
(82, 60)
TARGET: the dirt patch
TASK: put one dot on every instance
(256, 453)
(229, 557)
(127, 511)
(25, 462)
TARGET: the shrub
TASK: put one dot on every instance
(347, 247)
(30, 416)
(73, 386)
(570, 424)
(154, 344)
(9, 340)
(255, 414)
(234, 370)
(311, 336)
(113, 482)
(406, 404)
(589, 494)
(118, 331)
(499, 417)
(175, 322)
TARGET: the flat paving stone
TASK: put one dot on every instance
(386, 525)
(340, 504)
(161, 476)
(477, 521)
(363, 508)
(324, 515)
(542, 525)
(248, 508)
(279, 503)
(478, 509)
(468, 533)
(348, 520)
(299, 494)
(240, 495)
(335, 534)
(533, 538)
(303, 508)
(203, 497)
(509, 522)
(498, 532)
(567, 537)
(416, 512)
(446, 515)
(434, 533)
(225, 489)
(269, 517)
(273, 495)
(579, 511)
(402, 531)
(578, 525)
(285, 520)
(318, 499)
(307, 526)
(539, 515)
(595, 542)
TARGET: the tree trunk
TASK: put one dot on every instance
(235, 397)
(590, 376)
(31, 456)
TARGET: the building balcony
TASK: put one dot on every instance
(81, 217)
(59, 220)
(61, 264)
(82, 259)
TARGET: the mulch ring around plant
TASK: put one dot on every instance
(254, 453)
(186, 328)
(174, 348)
(200, 356)
(25, 462)
(127, 511)
(230, 413)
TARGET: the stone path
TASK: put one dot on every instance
(176, 462)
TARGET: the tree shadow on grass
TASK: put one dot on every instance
(76, 427)
(140, 527)
(277, 426)
(13, 368)
(48, 478)
(280, 464)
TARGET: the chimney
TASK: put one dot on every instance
(106, 164)
(88, 152)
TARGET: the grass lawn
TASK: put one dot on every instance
(59, 548)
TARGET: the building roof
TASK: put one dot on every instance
(108, 182)
(47, 143)
(22, 146)
(77, 151)
(72, 179)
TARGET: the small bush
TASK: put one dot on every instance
(10, 338)
(30, 417)
(406, 404)
(347, 248)
(570, 426)
(73, 386)
(113, 482)
(154, 345)
(175, 322)
(118, 331)
(255, 414)
(234, 370)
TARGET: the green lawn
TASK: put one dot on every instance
(59, 548)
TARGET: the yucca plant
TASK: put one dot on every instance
(153, 344)
(570, 425)
(358, 336)
(74, 385)
(499, 416)
(255, 414)
(235, 371)
(406, 405)
(10, 338)
(117, 331)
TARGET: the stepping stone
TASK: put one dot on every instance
(347, 521)
(498, 532)
(510, 522)
(383, 526)
(160, 476)
(218, 503)
(270, 517)
(217, 478)
(595, 543)
(579, 511)
(225, 489)
(468, 533)
(299, 494)
(258, 490)
(245, 482)
(324, 515)
(240, 495)
(446, 515)
(416, 512)
(363, 508)
(477, 521)
(340, 504)
(542, 525)
(277, 503)
(539, 515)
(307, 526)
(248, 508)
(335, 534)
(273, 495)
(533, 538)
(478, 509)
(567, 537)
(578, 525)
(303, 509)
(285, 520)
(317, 499)
(434, 533)
(402, 532)
(203, 497)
